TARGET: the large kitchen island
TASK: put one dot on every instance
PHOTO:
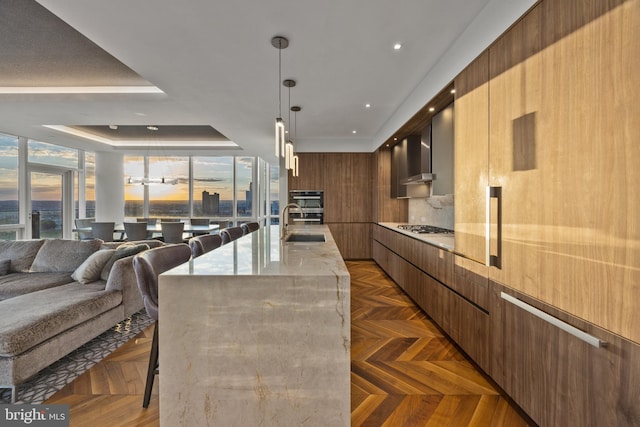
(257, 333)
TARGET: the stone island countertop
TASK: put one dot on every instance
(257, 332)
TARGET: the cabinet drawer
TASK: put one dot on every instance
(471, 280)
(557, 378)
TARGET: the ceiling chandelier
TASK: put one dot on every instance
(280, 43)
(152, 181)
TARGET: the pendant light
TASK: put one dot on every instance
(295, 110)
(288, 158)
(279, 43)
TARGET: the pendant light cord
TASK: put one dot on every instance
(279, 78)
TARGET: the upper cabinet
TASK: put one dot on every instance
(471, 148)
(442, 151)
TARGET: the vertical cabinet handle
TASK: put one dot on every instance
(494, 260)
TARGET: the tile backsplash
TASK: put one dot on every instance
(433, 210)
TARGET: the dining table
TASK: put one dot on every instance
(157, 228)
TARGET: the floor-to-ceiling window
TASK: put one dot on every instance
(9, 218)
(223, 188)
(171, 199)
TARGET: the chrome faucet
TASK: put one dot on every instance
(285, 221)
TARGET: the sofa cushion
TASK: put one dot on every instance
(123, 251)
(63, 255)
(45, 314)
(5, 264)
(20, 252)
(89, 271)
(15, 284)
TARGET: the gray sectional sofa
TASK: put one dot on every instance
(56, 295)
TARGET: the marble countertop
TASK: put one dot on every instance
(257, 332)
(444, 241)
(264, 253)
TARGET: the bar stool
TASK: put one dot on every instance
(230, 234)
(147, 266)
(250, 227)
(202, 244)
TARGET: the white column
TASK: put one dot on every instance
(109, 187)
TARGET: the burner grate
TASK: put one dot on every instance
(425, 229)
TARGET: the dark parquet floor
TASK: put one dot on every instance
(404, 371)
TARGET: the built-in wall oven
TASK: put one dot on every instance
(312, 204)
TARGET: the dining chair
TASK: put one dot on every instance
(230, 234)
(202, 244)
(199, 221)
(172, 232)
(149, 221)
(147, 266)
(135, 230)
(84, 223)
(249, 227)
(169, 220)
(103, 230)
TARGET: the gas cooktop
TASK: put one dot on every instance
(424, 229)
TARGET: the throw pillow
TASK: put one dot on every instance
(123, 251)
(57, 255)
(90, 270)
(21, 253)
(5, 264)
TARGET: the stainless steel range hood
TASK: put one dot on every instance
(419, 159)
(419, 179)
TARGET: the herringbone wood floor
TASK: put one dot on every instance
(404, 372)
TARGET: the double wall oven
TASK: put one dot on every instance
(312, 204)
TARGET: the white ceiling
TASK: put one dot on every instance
(216, 66)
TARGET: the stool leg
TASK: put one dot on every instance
(152, 369)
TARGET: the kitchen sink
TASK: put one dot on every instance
(306, 238)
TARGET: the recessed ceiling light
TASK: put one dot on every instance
(397, 46)
(353, 131)
(453, 91)
(432, 109)
(152, 127)
(367, 105)
(113, 127)
(395, 139)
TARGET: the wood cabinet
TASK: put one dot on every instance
(346, 179)
(557, 378)
(311, 172)
(385, 207)
(471, 148)
(564, 132)
(425, 273)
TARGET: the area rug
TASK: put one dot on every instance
(65, 370)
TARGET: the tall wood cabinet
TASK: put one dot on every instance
(346, 179)
(564, 132)
(546, 138)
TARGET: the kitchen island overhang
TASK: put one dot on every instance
(257, 332)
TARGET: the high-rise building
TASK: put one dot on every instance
(248, 198)
(210, 203)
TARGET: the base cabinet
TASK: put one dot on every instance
(557, 378)
(463, 321)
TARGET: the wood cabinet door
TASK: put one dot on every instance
(311, 172)
(471, 132)
(564, 131)
(557, 378)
